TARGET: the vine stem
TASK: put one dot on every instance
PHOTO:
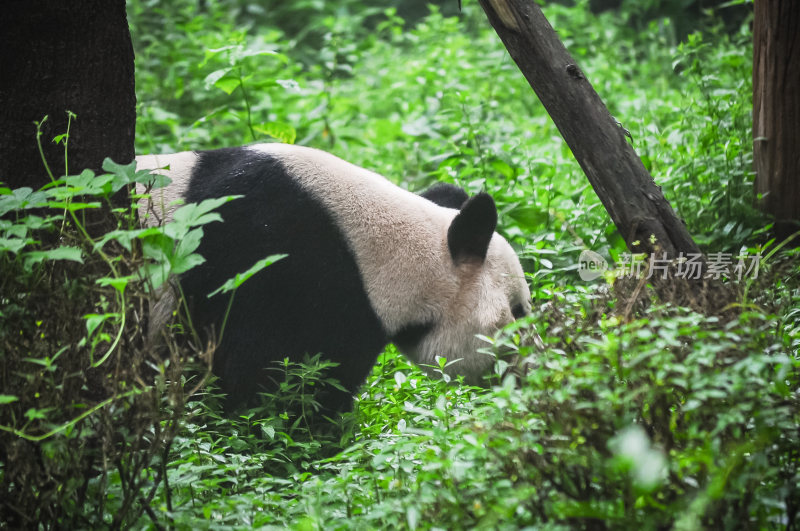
(246, 105)
(62, 427)
(120, 293)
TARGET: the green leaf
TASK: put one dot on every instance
(530, 218)
(86, 183)
(269, 431)
(224, 80)
(156, 245)
(20, 199)
(228, 84)
(58, 139)
(214, 52)
(189, 243)
(121, 236)
(158, 248)
(184, 263)
(214, 76)
(59, 253)
(72, 206)
(118, 284)
(503, 168)
(256, 53)
(80, 181)
(412, 517)
(240, 278)
(93, 320)
(123, 174)
(7, 399)
(198, 213)
(64, 253)
(283, 132)
(153, 180)
(36, 414)
(13, 245)
(155, 274)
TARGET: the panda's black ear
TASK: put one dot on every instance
(446, 195)
(471, 230)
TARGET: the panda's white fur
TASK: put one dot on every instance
(399, 241)
(163, 202)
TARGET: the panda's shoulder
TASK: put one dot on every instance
(231, 171)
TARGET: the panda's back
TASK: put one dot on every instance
(313, 300)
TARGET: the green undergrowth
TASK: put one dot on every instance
(89, 405)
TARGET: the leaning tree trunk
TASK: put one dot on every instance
(776, 110)
(57, 57)
(635, 203)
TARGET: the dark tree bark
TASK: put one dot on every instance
(57, 57)
(776, 110)
(599, 143)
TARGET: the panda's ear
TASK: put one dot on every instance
(446, 195)
(471, 230)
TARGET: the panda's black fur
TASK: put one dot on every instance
(330, 313)
(314, 300)
(446, 195)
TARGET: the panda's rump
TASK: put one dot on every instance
(312, 301)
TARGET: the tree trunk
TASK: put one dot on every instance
(635, 203)
(776, 110)
(57, 57)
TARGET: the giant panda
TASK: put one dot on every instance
(368, 263)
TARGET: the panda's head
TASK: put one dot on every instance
(481, 288)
